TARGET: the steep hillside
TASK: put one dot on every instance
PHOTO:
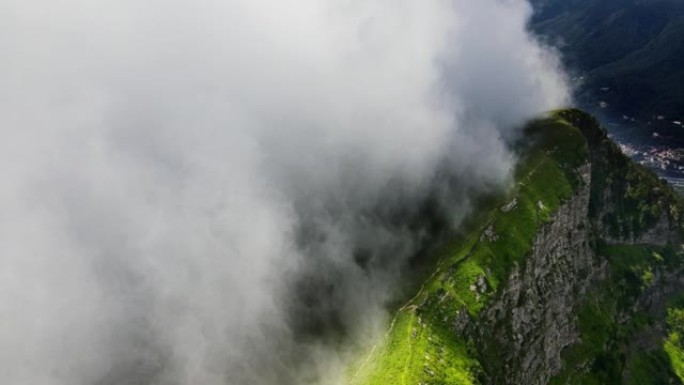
(570, 278)
(629, 53)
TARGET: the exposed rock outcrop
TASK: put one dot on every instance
(523, 332)
(569, 279)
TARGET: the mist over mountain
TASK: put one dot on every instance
(204, 192)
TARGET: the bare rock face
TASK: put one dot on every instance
(522, 332)
(525, 329)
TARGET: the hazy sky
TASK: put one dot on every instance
(212, 192)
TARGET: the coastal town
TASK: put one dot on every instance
(654, 153)
(663, 159)
(667, 162)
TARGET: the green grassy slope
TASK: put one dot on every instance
(421, 345)
(674, 344)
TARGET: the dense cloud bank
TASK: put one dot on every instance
(227, 192)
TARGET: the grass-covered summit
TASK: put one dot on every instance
(568, 278)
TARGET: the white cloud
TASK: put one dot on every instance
(188, 186)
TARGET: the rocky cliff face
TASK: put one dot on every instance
(525, 329)
(522, 334)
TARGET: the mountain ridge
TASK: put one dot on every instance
(553, 281)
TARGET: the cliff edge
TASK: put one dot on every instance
(573, 277)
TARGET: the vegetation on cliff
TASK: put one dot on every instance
(618, 336)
